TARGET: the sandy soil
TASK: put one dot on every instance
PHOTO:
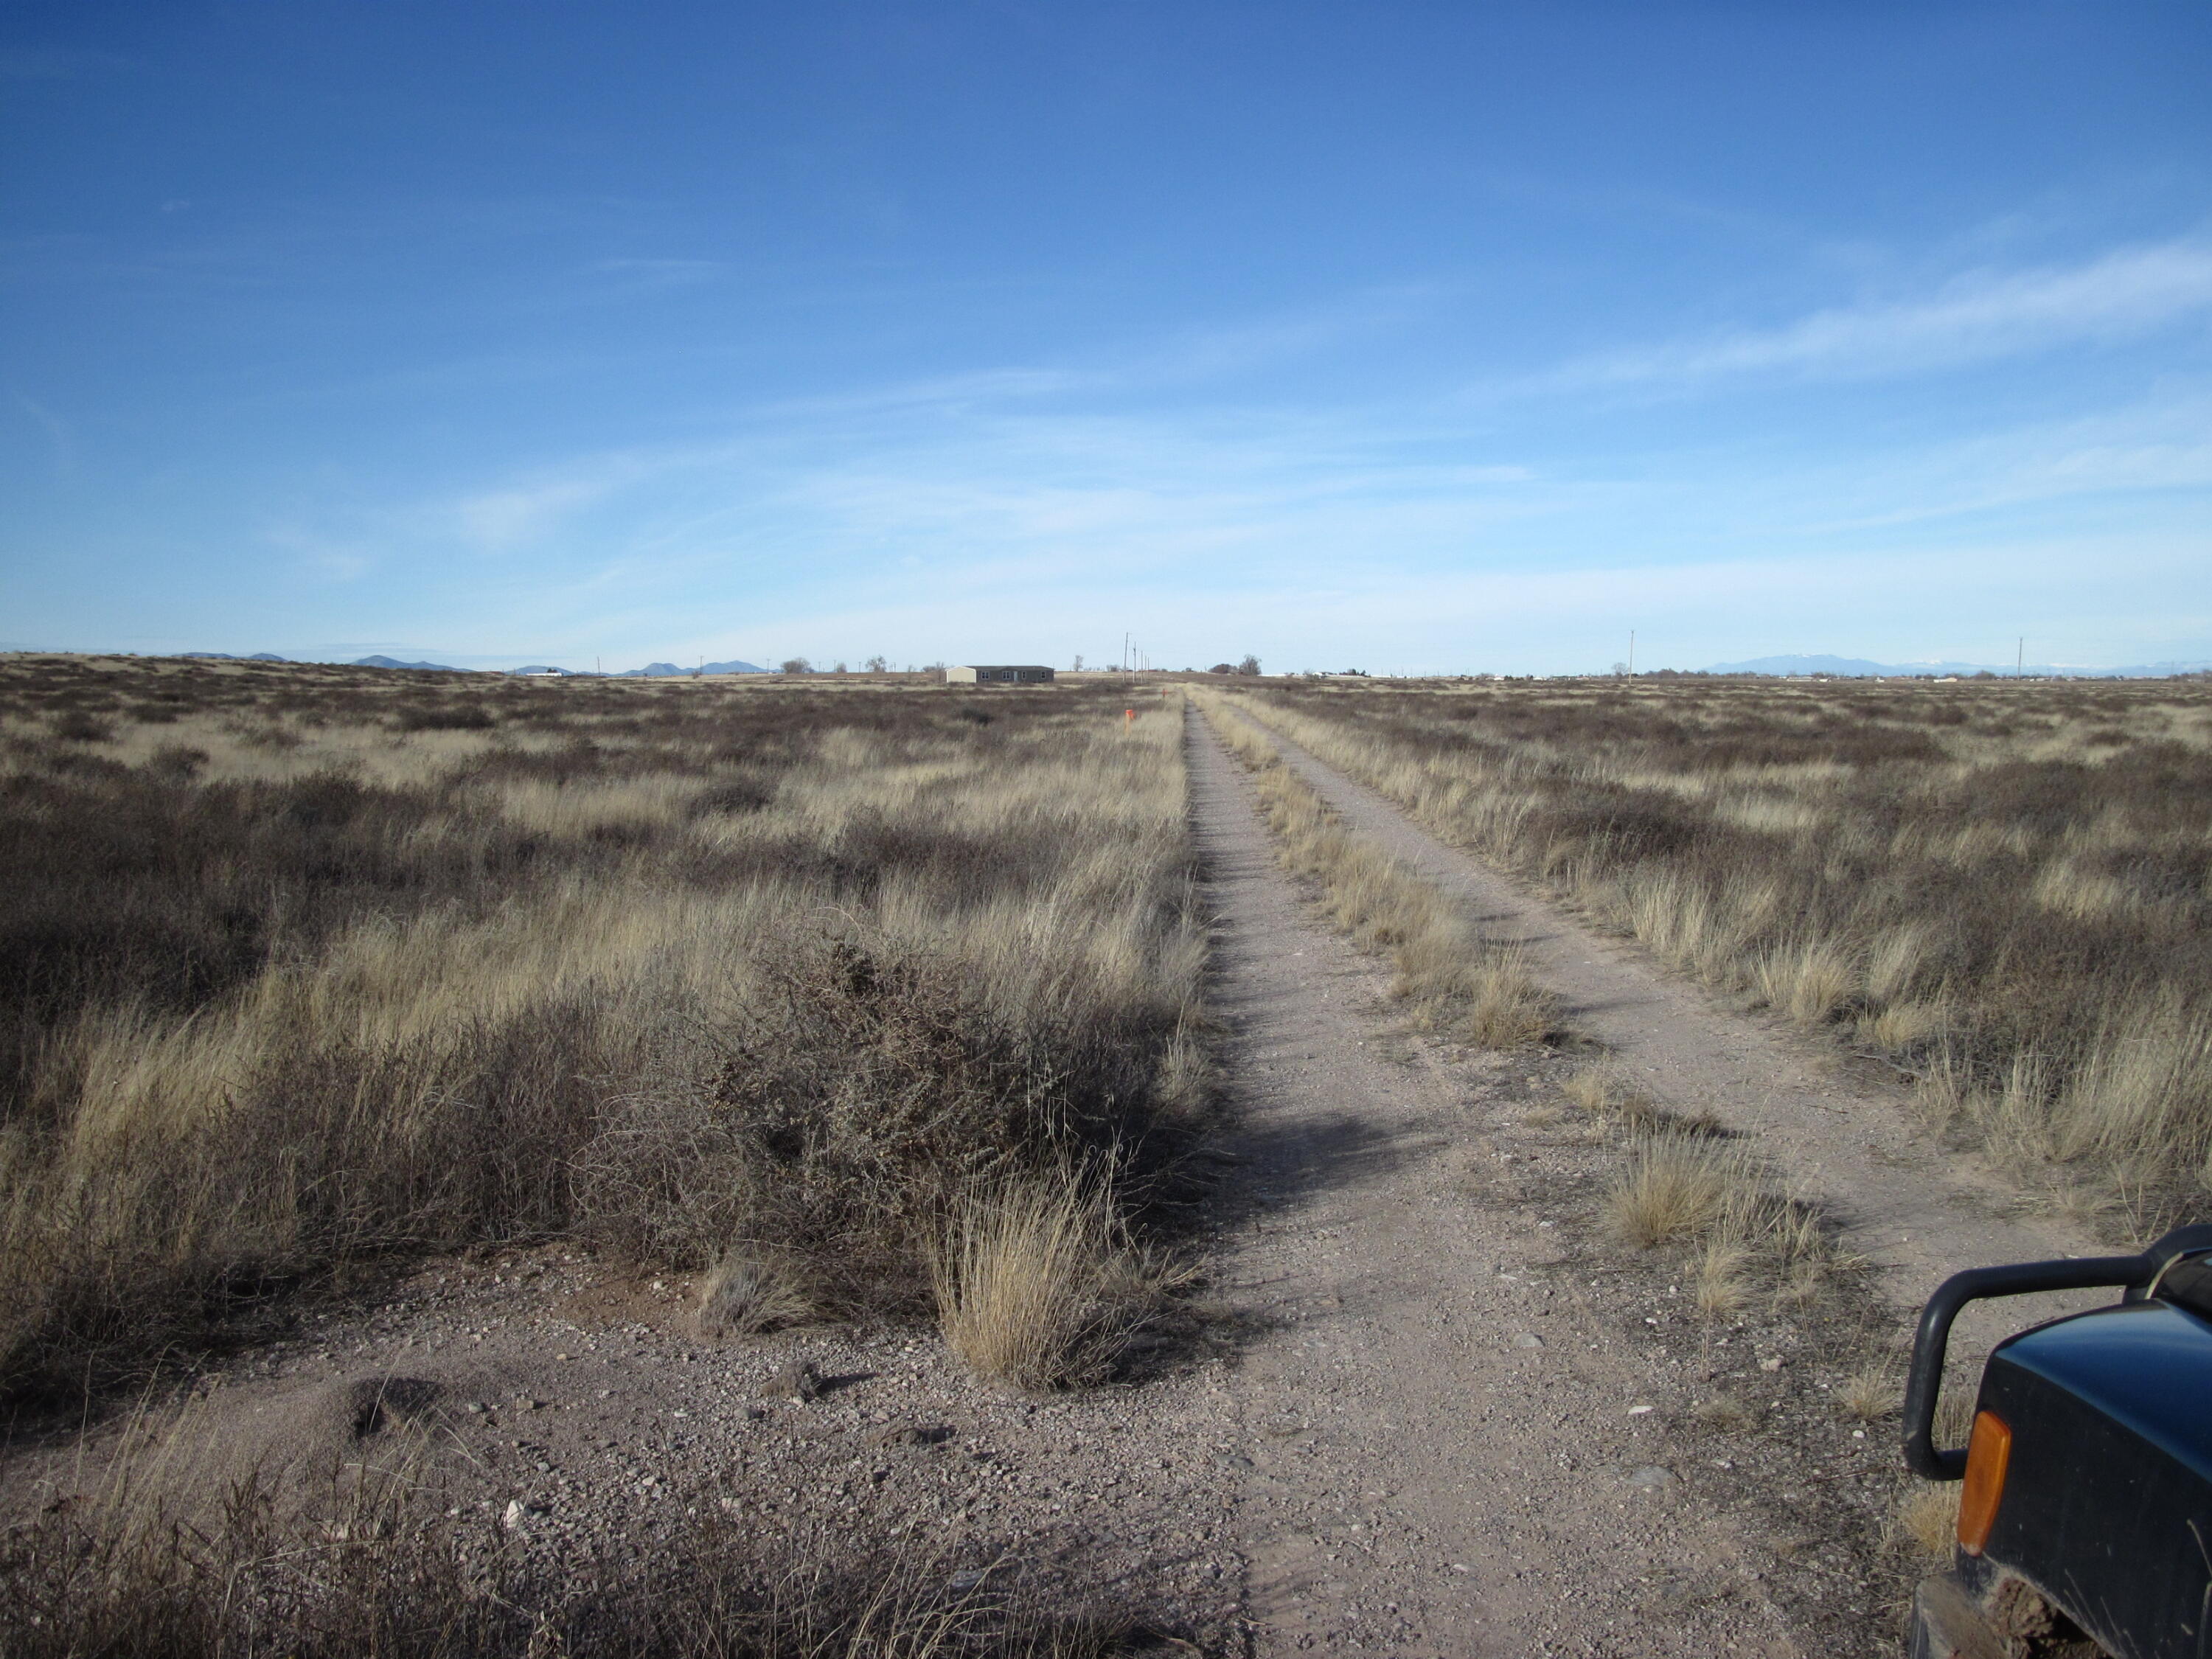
(1433, 1411)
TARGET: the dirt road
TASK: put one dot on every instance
(1452, 1450)
(1908, 1208)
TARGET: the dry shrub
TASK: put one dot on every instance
(1037, 1284)
(835, 1121)
(1593, 1088)
(1601, 1091)
(1726, 1413)
(1807, 979)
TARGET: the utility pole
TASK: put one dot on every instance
(2019, 658)
(1631, 653)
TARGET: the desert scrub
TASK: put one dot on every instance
(1454, 980)
(2001, 888)
(302, 969)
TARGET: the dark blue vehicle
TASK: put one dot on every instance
(2085, 1526)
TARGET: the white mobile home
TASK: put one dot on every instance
(998, 674)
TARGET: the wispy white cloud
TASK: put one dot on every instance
(1975, 317)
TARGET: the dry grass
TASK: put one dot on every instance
(301, 969)
(1926, 1519)
(1455, 982)
(1712, 1198)
(1599, 1090)
(1723, 1277)
(1038, 1284)
(1675, 1188)
(2000, 888)
(1872, 1392)
(750, 1291)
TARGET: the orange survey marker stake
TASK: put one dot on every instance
(1128, 715)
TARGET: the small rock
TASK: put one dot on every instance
(1651, 1478)
(800, 1380)
(1528, 1340)
(1640, 1411)
(1772, 1363)
(907, 1435)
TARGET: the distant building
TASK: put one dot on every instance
(998, 674)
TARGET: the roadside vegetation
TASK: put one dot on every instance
(305, 969)
(2004, 891)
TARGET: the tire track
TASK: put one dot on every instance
(1436, 1454)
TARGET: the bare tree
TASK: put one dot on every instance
(1250, 665)
(875, 665)
(797, 665)
(1078, 669)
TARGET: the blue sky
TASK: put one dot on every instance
(1397, 335)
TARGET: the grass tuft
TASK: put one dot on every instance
(1037, 1286)
(749, 1292)
(1675, 1188)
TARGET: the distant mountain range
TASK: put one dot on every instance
(394, 662)
(1859, 667)
(228, 656)
(658, 670)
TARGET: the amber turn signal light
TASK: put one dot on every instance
(1987, 1453)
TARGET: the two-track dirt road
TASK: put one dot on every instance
(1455, 1445)
(1443, 1460)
